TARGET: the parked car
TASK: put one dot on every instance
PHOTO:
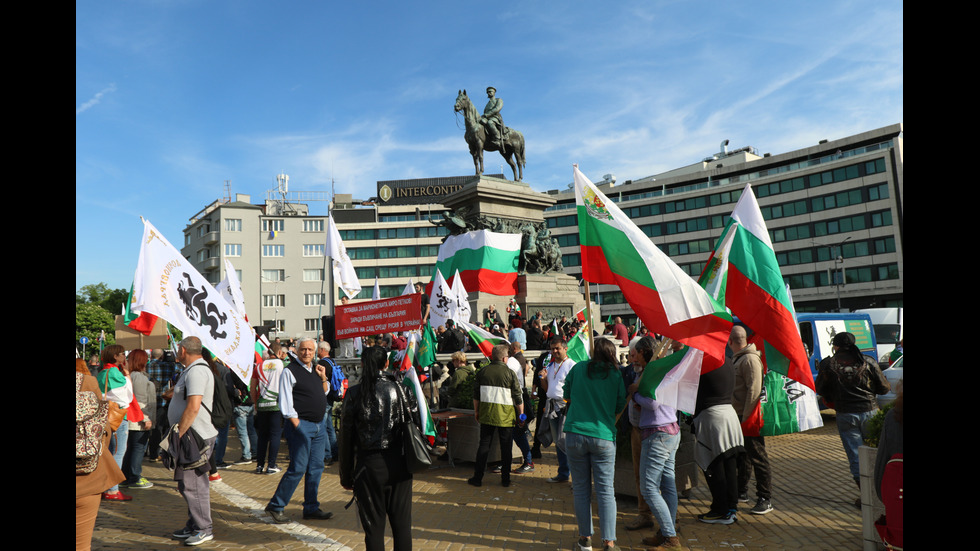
(894, 376)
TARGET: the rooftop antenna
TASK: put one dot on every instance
(227, 191)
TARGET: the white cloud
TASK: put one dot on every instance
(95, 99)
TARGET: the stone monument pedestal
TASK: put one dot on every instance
(501, 205)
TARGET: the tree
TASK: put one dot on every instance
(90, 320)
(112, 300)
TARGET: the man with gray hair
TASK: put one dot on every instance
(303, 389)
(190, 410)
(498, 404)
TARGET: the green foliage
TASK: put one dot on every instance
(872, 429)
(90, 320)
(112, 300)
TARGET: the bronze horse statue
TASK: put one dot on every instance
(476, 137)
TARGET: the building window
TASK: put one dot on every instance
(233, 224)
(273, 275)
(313, 250)
(233, 249)
(273, 224)
(313, 225)
(314, 299)
(273, 250)
(273, 301)
(312, 324)
(276, 325)
(313, 274)
(203, 255)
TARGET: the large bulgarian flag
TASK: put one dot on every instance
(664, 297)
(483, 340)
(743, 274)
(486, 260)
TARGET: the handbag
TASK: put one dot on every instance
(116, 413)
(414, 443)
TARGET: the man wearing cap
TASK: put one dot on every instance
(492, 120)
(850, 382)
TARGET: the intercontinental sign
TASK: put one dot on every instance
(420, 191)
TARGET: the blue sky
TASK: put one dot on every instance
(172, 98)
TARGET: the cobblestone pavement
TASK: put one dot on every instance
(813, 497)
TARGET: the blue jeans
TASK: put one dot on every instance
(593, 459)
(133, 462)
(117, 445)
(242, 414)
(306, 446)
(851, 427)
(562, 457)
(657, 478)
(221, 444)
(520, 438)
(331, 451)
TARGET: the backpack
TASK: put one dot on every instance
(890, 525)
(338, 381)
(91, 416)
(222, 409)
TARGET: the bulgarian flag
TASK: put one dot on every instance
(615, 251)
(487, 261)
(743, 273)
(483, 340)
(136, 320)
(673, 380)
(786, 405)
(578, 345)
(409, 353)
(411, 381)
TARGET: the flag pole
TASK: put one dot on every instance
(588, 312)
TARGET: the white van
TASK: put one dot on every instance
(889, 331)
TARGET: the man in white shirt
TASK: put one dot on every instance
(553, 382)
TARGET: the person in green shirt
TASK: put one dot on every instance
(595, 393)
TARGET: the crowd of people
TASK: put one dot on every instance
(179, 407)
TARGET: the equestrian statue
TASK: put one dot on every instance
(488, 133)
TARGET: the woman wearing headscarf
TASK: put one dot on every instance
(372, 463)
(595, 393)
(850, 382)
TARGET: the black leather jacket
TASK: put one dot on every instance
(850, 386)
(376, 428)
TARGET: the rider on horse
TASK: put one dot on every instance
(491, 119)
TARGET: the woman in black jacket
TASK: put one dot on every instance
(372, 462)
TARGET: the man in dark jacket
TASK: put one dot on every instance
(851, 381)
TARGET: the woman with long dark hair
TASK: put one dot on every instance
(372, 463)
(595, 393)
(115, 383)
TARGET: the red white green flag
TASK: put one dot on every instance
(578, 345)
(486, 260)
(664, 297)
(482, 339)
(743, 268)
(136, 320)
(673, 380)
(411, 381)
